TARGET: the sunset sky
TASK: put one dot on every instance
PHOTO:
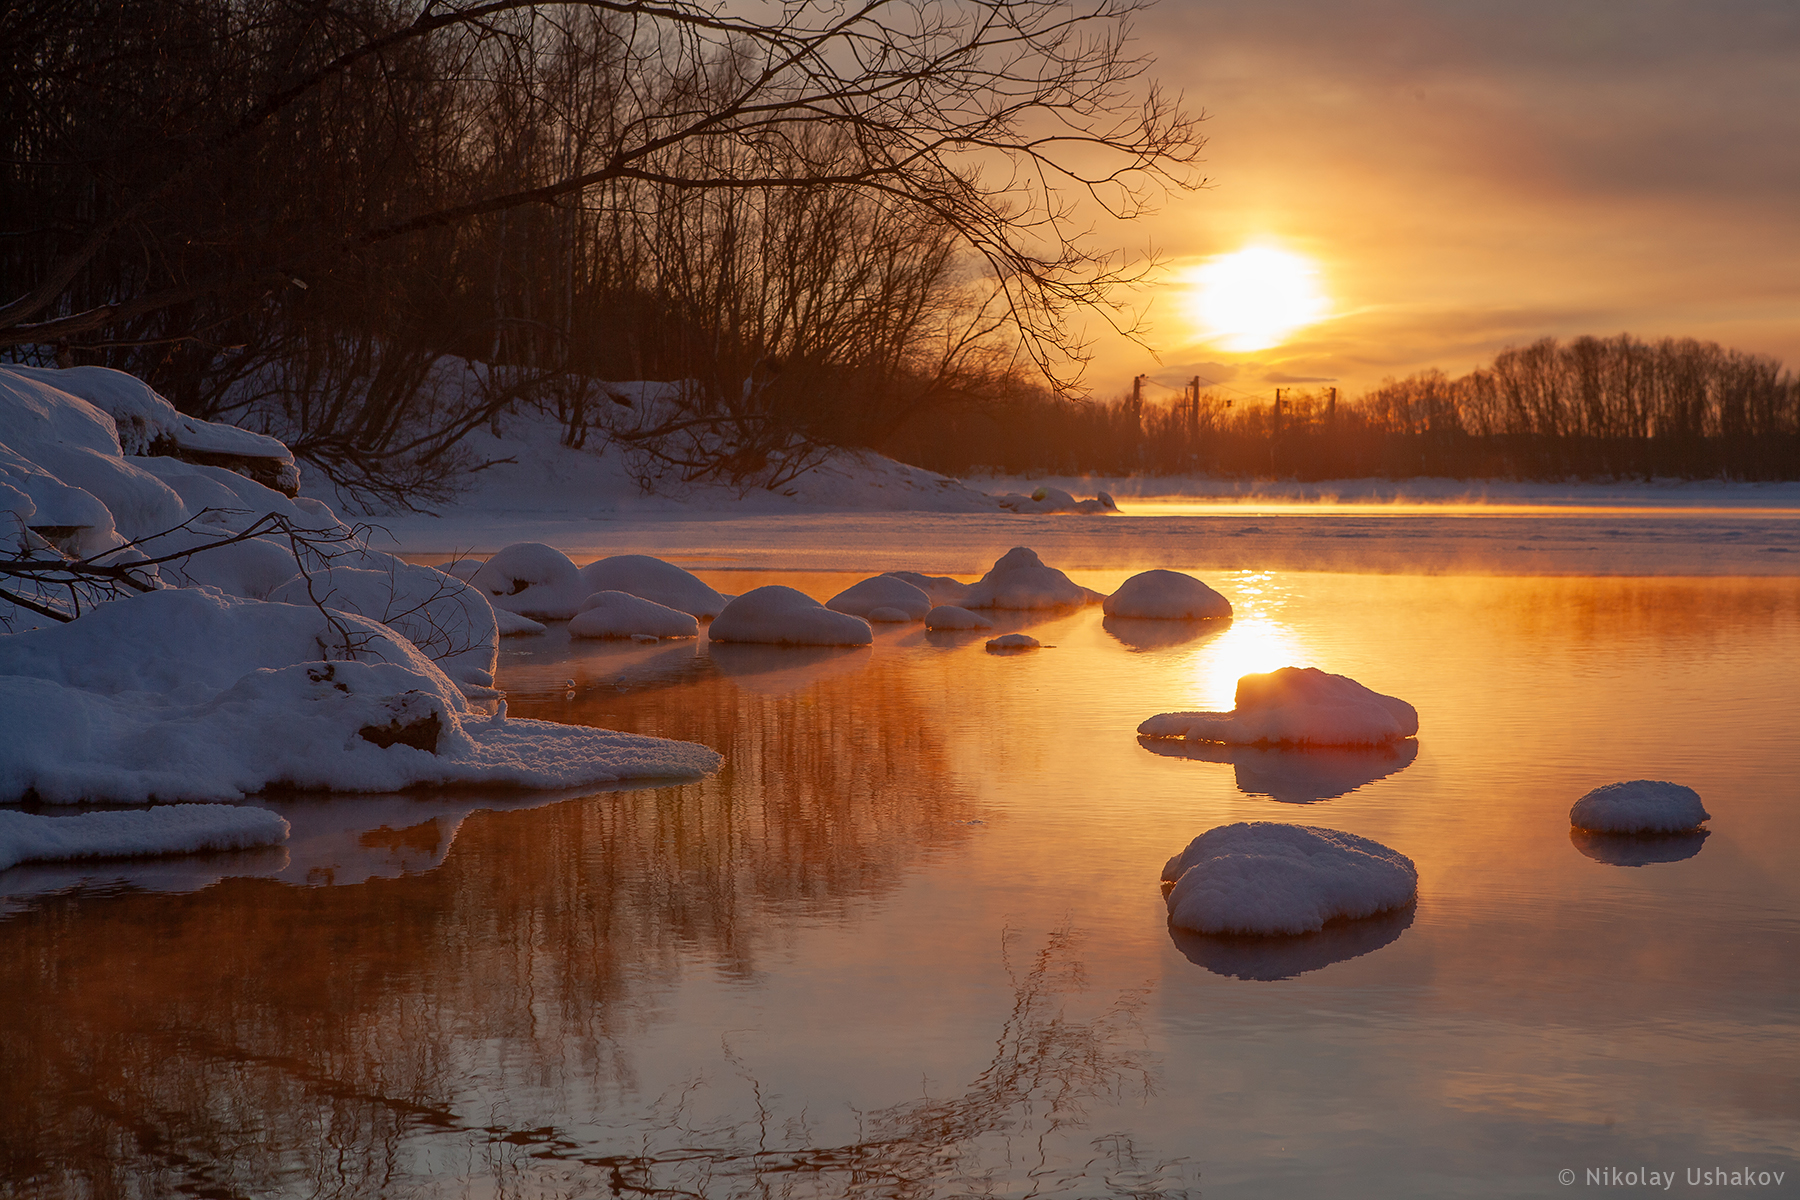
(1467, 176)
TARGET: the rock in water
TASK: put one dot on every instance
(1639, 806)
(1265, 877)
(1299, 706)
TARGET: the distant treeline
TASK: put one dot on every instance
(1608, 408)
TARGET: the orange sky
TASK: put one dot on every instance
(1469, 176)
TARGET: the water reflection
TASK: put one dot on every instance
(175, 873)
(1295, 776)
(777, 670)
(1638, 849)
(545, 665)
(1140, 634)
(1283, 957)
(259, 1038)
(1021, 1126)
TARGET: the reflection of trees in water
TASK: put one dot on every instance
(256, 1038)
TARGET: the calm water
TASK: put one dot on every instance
(910, 942)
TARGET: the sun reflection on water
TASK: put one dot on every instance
(1258, 640)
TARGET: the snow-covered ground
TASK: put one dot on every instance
(269, 649)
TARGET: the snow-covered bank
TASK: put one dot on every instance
(165, 829)
(531, 473)
(272, 650)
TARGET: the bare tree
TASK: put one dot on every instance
(994, 117)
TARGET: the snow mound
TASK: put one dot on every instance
(881, 591)
(1013, 641)
(1054, 500)
(189, 694)
(1295, 706)
(165, 829)
(1263, 877)
(533, 580)
(1639, 806)
(1020, 580)
(148, 425)
(622, 615)
(889, 616)
(783, 616)
(949, 616)
(941, 588)
(1166, 596)
(511, 624)
(653, 579)
(450, 622)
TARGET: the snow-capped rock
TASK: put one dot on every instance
(1263, 877)
(1295, 706)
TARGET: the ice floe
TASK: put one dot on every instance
(1263, 877)
(882, 591)
(949, 616)
(783, 616)
(1298, 706)
(1020, 580)
(1013, 641)
(622, 615)
(1639, 806)
(1166, 596)
(164, 829)
(655, 580)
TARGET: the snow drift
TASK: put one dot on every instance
(92, 458)
(1295, 706)
(1262, 877)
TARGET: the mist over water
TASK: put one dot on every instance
(910, 939)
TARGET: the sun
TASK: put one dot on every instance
(1254, 298)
